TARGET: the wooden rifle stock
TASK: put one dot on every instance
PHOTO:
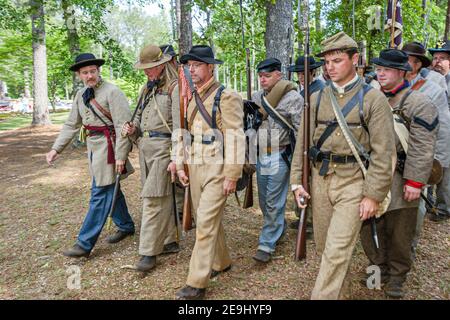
(248, 198)
(300, 247)
(187, 208)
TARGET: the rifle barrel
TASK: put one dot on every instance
(300, 249)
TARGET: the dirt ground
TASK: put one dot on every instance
(42, 208)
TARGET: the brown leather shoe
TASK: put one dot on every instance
(146, 263)
(172, 247)
(76, 252)
(394, 289)
(190, 293)
(262, 256)
(215, 273)
(118, 236)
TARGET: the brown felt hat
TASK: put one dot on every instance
(151, 56)
(416, 49)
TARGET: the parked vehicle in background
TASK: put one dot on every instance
(6, 106)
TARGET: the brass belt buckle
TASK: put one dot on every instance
(269, 150)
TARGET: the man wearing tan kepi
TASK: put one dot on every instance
(156, 117)
(341, 198)
(102, 109)
(415, 153)
(215, 120)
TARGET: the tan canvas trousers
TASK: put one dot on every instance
(335, 206)
(210, 250)
(157, 226)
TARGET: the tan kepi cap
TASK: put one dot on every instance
(340, 41)
(151, 56)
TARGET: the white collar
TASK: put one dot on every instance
(341, 89)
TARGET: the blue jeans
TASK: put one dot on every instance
(272, 174)
(99, 206)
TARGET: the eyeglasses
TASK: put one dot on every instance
(436, 58)
(195, 65)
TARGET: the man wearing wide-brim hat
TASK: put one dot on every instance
(341, 198)
(415, 113)
(299, 68)
(157, 115)
(100, 109)
(417, 77)
(217, 150)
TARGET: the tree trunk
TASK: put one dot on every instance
(173, 19)
(73, 40)
(447, 21)
(40, 85)
(111, 72)
(26, 80)
(317, 13)
(279, 25)
(2, 90)
(424, 9)
(185, 25)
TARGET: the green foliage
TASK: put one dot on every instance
(117, 29)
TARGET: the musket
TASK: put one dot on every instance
(175, 211)
(248, 198)
(113, 203)
(184, 101)
(300, 247)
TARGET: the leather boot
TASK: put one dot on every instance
(76, 252)
(190, 293)
(118, 236)
(146, 263)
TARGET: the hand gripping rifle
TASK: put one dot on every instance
(300, 247)
(248, 198)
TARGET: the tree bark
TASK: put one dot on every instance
(317, 13)
(184, 20)
(26, 80)
(40, 85)
(73, 40)
(279, 25)
(447, 21)
(173, 19)
(2, 89)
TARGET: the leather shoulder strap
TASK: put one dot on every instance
(199, 106)
(105, 112)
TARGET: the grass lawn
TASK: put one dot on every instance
(12, 121)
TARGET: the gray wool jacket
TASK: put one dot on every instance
(439, 99)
